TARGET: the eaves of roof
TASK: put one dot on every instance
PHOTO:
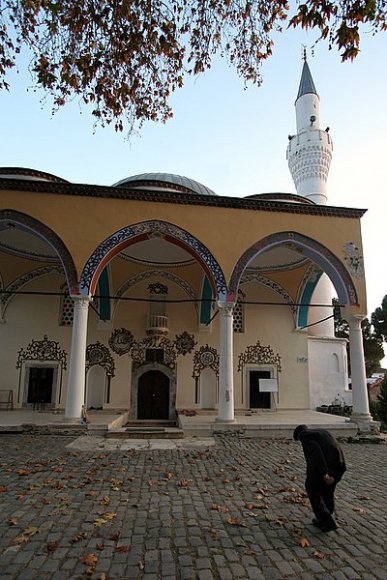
(177, 198)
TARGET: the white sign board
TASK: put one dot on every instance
(268, 385)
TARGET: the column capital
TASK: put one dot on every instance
(81, 300)
(226, 307)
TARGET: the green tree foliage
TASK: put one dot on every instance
(125, 57)
(372, 344)
(379, 320)
(382, 403)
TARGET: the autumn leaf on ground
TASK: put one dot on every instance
(100, 547)
(214, 533)
(122, 548)
(105, 500)
(226, 480)
(235, 522)
(26, 535)
(90, 560)
(90, 493)
(141, 565)
(3, 489)
(360, 510)
(364, 497)
(249, 552)
(169, 475)
(303, 542)
(78, 537)
(115, 537)
(13, 521)
(23, 472)
(219, 508)
(52, 546)
(278, 469)
(183, 483)
(318, 554)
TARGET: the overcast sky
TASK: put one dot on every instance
(229, 138)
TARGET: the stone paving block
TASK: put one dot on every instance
(165, 523)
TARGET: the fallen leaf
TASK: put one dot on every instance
(235, 522)
(78, 537)
(23, 472)
(318, 554)
(105, 500)
(218, 508)
(3, 489)
(183, 483)
(115, 537)
(360, 510)
(122, 548)
(100, 547)
(303, 542)
(52, 546)
(90, 560)
(13, 521)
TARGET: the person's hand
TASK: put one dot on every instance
(328, 479)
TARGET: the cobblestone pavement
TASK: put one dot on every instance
(236, 510)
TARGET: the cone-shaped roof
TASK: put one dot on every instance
(306, 83)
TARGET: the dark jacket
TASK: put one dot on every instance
(323, 455)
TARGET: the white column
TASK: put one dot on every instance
(226, 375)
(361, 413)
(76, 380)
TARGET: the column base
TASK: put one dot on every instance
(219, 420)
(364, 422)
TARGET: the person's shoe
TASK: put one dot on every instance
(328, 526)
(317, 523)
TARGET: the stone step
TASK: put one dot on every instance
(145, 432)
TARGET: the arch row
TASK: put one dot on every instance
(129, 235)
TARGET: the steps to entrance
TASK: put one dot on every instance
(146, 430)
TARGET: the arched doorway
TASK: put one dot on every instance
(153, 396)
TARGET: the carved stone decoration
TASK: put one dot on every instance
(158, 288)
(98, 354)
(139, 348)
(205, 357)
(121, 341)
(257, 354)
(185, 343)
(42, 350)
(354, 260)
(128, 234)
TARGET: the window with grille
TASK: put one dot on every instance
(239, 316)
(66, 313)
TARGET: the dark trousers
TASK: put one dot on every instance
(322, 498)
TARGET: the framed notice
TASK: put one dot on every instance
(268, 385)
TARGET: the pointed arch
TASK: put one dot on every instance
(156, 274)
(309, 283)
(141, 231)
(25, 279)
(50, 237)
(310, 248)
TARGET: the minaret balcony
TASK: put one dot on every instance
(157, 325)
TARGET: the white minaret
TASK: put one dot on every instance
(309, 155)
(309, 152)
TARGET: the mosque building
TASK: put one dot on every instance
(157, 296)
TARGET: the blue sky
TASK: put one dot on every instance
(231, 139)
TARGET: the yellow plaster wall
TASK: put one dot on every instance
(84, 222)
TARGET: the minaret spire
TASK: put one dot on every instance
(309, 152)
(309, 156)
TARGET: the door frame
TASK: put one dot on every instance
(272, 369)
(154, 366)
(56, 379)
